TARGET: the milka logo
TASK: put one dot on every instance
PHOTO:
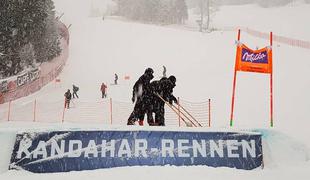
(254, 57)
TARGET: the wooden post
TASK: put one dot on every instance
(9, 111)
(111, 111)
(234, 86)
(209, 109)
(179, 112)
(34, 110)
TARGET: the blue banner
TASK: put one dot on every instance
(62, 151)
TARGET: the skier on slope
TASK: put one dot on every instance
(103, 90)
(164, 88)
(115, 78)
(67, 99)
(75, 89)
(141, 95)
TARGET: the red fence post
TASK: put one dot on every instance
(34, 110)
(9, 111)
(209, 109)
(63, 113)
(111, 111)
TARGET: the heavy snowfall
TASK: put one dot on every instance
(102, 44)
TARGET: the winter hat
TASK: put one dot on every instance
(172, 79)
(149, 71)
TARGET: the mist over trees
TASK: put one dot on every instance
(262, 3)
(154, 11)
(28, 34)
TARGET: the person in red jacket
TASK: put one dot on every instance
(103, 90)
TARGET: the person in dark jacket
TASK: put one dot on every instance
(163, 88)
(141, 95)
(75, 89)
(115, 78)
(67, 99)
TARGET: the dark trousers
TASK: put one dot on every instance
(159, 111)
(141, 108)
(67, 103)
(75, 94)
(103, 94)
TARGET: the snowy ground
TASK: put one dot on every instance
(203, 65)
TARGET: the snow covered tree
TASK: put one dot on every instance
(154, 11)
(206, 10)
(268, 3)
(28, 34)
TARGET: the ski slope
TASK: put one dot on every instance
(203, 65)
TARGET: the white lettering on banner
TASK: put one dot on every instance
(28, 77)
(105, 147)
(247, 148)
(253, 57)
(201, 148)
(124, 149)
(40, 150)
(75, 152)
(24, 145)
(232, 145)
(56, 149)
(183, 148)
(140, 149)
(91, 149)
(218, 148)
(23, 79)
(166, 148)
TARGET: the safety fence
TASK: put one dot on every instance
(106, 111)
(265, 35)
(33, 80)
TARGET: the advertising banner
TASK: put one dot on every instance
(28, 77)
(4, 86)
(63, 151)
(253, 60)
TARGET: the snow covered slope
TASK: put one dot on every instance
(203, 65)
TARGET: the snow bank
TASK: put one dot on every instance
(7, 140)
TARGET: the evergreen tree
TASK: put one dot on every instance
(28, 34)
(154, 11)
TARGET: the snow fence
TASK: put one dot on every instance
(104, 112)
(63, 151)
(34, 79)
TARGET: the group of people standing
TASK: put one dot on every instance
(68, 95)
(150, 97)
